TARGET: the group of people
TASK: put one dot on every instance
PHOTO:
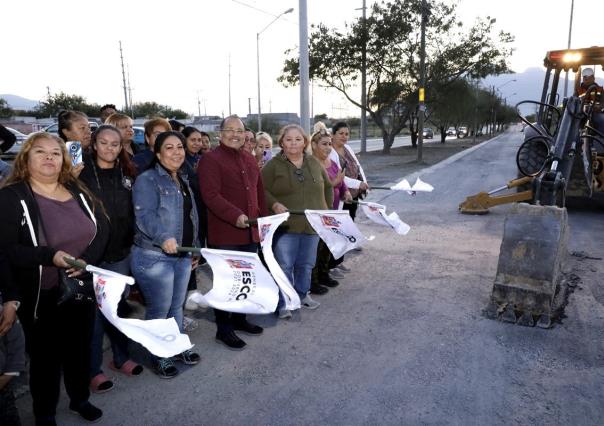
(131, 209)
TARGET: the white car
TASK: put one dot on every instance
(54, 128)
(21, 137)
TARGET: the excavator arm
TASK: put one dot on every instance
(481, 202)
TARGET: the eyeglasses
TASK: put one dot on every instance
(236, 131)
(300, 175)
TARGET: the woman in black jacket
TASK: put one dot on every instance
(48, 215)
(109, 174)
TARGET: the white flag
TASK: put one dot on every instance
(418, 186)
(267, 227)
(160, 336)
(377, 213)
(241, 283)
(337, 229)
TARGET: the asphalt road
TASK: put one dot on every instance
(401, 340)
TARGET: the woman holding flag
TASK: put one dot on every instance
(321, 148)
(297, 181)
(47, 215)
(166, 218)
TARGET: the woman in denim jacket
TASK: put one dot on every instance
(166, 218)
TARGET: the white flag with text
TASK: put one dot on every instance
(241, 283)
(336, 229)
(266, 228)
(377, 213)
(161, 337)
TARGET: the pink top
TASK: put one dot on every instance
(338, 190)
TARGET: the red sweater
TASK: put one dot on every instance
(231, 185)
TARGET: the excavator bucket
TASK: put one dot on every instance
(529, 273)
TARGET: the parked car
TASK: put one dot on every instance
(462, 132)
(428, 133)
(139, 135)
(14, 150)
(451, 131)
(54, 128)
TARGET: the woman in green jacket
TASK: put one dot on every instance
(295, 180)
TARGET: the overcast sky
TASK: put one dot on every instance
(178, 49)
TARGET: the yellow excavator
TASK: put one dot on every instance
(562, 155)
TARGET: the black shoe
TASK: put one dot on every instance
(329, 282)
(230, 340)
(87, 411)
(46, 421)
(188, 357)
(165, 368)
(248, 328)
(318, 289)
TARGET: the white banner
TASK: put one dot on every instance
(241, 283)
(160, 336)
(267, 227)
(337, 229)
(377, 213)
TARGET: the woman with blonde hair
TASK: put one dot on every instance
(320, 142)
(264, 148)
(295, 180)
(47, 216)
(126, 127)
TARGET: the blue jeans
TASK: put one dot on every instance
(119, 342)
(163, 281)
(296, 254)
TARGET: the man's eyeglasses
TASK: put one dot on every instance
(236, 131)
(300, 175)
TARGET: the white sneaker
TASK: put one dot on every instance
(285, 313)
(195, 301)
(308, 303)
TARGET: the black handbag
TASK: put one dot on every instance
(79, 289)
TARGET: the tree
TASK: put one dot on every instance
(5, 110)
(62, 101)
(153, 109)
(452, 105)
(391, 34)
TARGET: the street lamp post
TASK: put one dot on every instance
(291, 9)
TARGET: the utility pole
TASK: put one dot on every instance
(304, 67)
(198, 105)
(130, 93)
(475, 110)
(230, 85)
(570, 32)
(249, 105)
(48, 91)
(364, 83)
(422, 84)
(124, 79)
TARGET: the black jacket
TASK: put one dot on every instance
(114, 190)
(19, 231)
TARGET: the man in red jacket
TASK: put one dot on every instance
(231, 186)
